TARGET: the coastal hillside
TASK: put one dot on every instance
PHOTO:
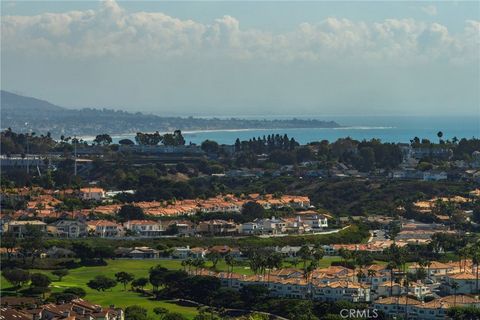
(43, 117)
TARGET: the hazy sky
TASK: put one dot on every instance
(232, 58)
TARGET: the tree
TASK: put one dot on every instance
(32, 242)
(305, 255)
(252, 210)
(126, 142)
(9, 242)
(101, 283)
(440, 134)
(124, 278)
(78, 292)
(17, 277)
(475, 255)
(40, 282)
(230, 261)
(60, 273)
(103, 139)
(175, 139)
(367, 159)
(157, 276)
(253, 294)
(210, 146)
(214, 257)
(130, 212)
(139, 283)
(454, 285)
(135, 313)
(174, 316)
(160, 311)
(148, 139)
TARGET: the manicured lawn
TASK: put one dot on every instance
(117, 296)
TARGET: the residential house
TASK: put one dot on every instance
(104, 228)
(70, 228)
(181, 252)
(250, 228)
(80, 309)
(10, 314)
(314, 221)
(92, 193)
(394, 306)
(18, 228)
(435, 175)
(466, 282)
(436, 270)
(437, 309)
(57, 253)
(217, 227)
(137, 253)
(271, 226)
(144, 228)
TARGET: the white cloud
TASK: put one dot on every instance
(431, 10)
(111, 31)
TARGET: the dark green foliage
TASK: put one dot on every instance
(135, 313)
(124, 278)
(130, 212)
(252, 210)
(464, 313)
(60, 273)
(17, 277)
(78, 292)
(101, 283)
(210, 146)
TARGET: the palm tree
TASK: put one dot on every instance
(273, 260)
(475, 254)
(454, 285)
(428, 263)
(230, 261)
(198, 263)
(406, 283)
(371, 273)
(462, 254)
(391, 266)
(307, 272)
(439, 135)
(360, 275)
(305, 254)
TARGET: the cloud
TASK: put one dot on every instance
(112, 32)
(431, 10)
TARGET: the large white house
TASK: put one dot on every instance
(314, 221)
(144, 228)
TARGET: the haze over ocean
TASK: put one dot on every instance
(386, 128)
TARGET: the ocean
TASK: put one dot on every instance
(388, 129)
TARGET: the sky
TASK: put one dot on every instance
(246, 58)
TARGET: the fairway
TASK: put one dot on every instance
(79, 277)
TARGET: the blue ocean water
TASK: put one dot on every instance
(386, 128)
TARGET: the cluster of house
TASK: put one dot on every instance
(25, 308)
(371, 284)
(307, 221)
(434, 206)
(43, 203)
(459, 170)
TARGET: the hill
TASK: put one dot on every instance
(43, 117)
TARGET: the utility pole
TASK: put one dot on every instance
(75, 155)
(28, 148)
